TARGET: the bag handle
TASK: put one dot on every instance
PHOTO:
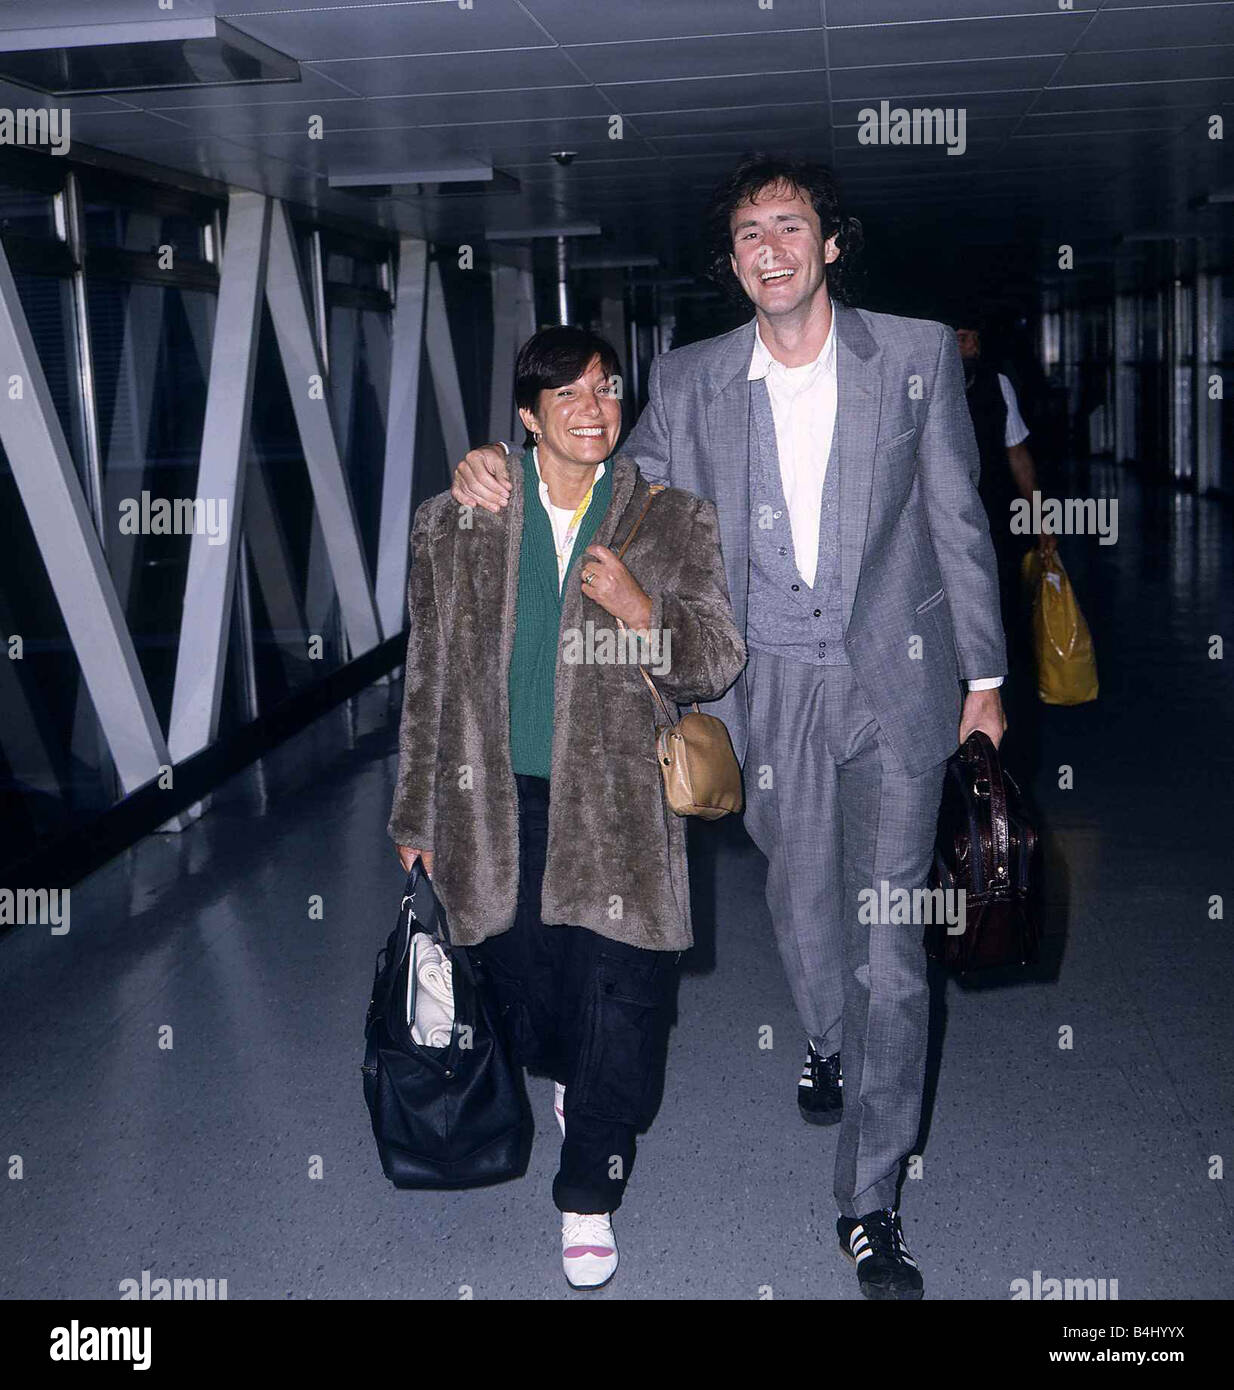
(987, 768)
(652, 489)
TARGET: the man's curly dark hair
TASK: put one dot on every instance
(761, 171)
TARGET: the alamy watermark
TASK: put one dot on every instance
(1050, 1289)
(36, 126)
(191, 1290)
(35, 907)
(78, 1343)
(886, 906)
(175, 516)
(1066, 516)
(920, 125)
(605, 646)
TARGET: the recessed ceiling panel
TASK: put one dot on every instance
(67, 61)
(486, 74)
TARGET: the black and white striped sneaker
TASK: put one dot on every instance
(876, 1245)
(820, 1092)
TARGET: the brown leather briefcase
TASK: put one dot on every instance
(987, 848)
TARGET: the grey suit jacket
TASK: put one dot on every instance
(918, 574)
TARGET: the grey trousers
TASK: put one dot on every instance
(833, 818)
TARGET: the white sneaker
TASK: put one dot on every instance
(588, 1249)
(559, 1105)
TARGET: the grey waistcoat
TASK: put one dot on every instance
(786, 615)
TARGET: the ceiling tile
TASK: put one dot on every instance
(1148, 118)
(486, 74)
(380, 31)
(1152, 28)
(695, 93)
(570, 21)
(874, 12)
(1145, 65)
(724, 119)
(978, 106)
(1019, 36)
(941, 79)
(1115, 96)
(707, 57)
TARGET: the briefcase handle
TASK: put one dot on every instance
(987, 772)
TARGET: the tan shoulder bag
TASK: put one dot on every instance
(700, 770)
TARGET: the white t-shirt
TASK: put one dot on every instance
(564, 521)
(1016, 431)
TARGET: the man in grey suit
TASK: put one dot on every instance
(839, 450)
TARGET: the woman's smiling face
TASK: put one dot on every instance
(580, 422)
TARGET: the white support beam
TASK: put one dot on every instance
(302, 364)
(71, 552)
(446, 387)
(406, 344)
(206, 624)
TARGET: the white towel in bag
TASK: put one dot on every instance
(430, 985)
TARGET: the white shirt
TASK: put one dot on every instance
(1016, 431)
(803, 404)
(564, 521)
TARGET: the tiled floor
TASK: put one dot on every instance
(194, 1159)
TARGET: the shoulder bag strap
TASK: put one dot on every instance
(653, 488)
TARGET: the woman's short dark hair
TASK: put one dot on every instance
(555, 357)
(751, 177)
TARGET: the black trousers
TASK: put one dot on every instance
(591, 1013)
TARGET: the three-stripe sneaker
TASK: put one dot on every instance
(588, 1249)
(876, 1245)
(820, 1092)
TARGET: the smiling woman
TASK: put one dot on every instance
(559, 868)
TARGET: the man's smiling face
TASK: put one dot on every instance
(779, 255)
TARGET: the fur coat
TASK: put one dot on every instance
(616, 857)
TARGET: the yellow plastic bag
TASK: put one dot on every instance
(1062, 643)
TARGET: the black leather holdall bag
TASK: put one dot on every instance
(987, 847)
(448, 1116)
